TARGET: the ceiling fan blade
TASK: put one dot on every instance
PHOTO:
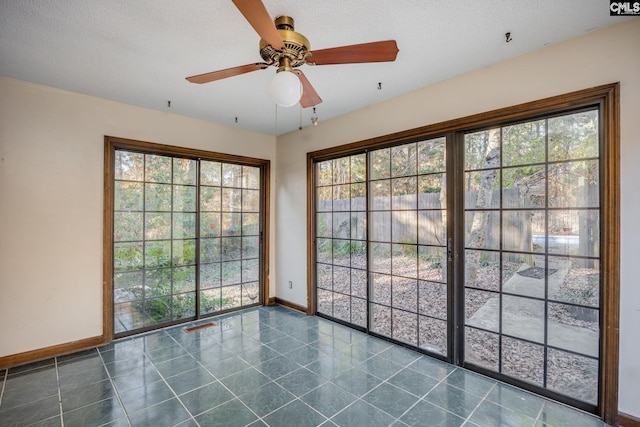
(383, 51)
(257, 15)
(310, 97)
(229, 72)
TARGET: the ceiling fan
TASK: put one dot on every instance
(286, 49)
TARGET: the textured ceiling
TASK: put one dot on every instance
(140, 51)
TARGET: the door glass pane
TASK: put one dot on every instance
(184, 171)
(157, 168)
(532, 224)
(404, 160)
(431, 156)
(481, 348)
(127, 226)
(580, 380)
(157, 197)
(529, 368)
(380, 164)
(574, 136)
(129, 166)
(524, 144)
(129, 196)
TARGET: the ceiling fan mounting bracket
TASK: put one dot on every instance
(296, 46)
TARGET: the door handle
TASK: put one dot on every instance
(450, 249)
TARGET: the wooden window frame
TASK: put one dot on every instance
(607, 98)
(111, 144)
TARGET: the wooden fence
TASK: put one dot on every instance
(421, 219)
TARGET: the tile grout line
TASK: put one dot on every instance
(115, 390)
(310, 407)
(166, 383)
(55, 362)
(484, 398)
(236, 397)
(271, 380)
(205, 368)
(539, 413)
(383, 381)
(346, 407)
(330, 380)
(261, 418)
(420, 399)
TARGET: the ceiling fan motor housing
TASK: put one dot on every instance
(296, 47)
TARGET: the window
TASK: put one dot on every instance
(185, 235)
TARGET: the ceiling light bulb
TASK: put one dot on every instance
(285, 89)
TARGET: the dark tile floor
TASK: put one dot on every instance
(267, 366)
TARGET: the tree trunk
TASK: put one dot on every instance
(485, 194)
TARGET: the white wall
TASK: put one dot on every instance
(51, 192)
(601, 57)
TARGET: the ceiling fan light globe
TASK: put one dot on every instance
(285, 89)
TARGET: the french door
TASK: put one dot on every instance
(481, 247)
(186, 236)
